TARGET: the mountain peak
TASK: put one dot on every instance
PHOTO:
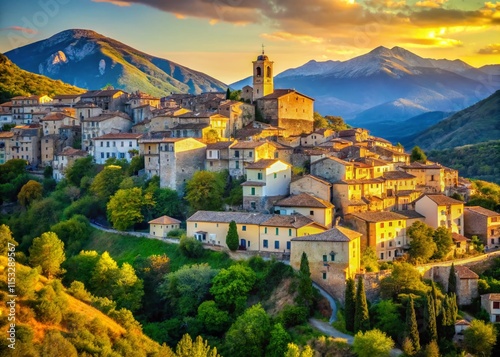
(380, 50)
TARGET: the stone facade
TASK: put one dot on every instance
(483, 223)
(312, 185)
(467, 287)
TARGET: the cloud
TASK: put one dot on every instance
(26, 30)
(335, 23)
(492, 49)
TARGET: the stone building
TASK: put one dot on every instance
(25, 143)
(312, 185)
(159, 227)
(116, 146)
(312, 207)
(64, 159)
(467, 287)
(105, 123)
(263, 83)
(441, 211)
(333, 255)
(288, 109)
(491, 303)
(483, 223)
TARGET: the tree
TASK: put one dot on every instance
(191, 247)
(79, 267)
(294, 351)
(107, 182)
(385, 317)
(80, 169)
(431, 350)
(372, 343)
(278, 342)
(362, 316)
(167, 202)
(214, 320)
(430, 319)
(205, 191)
(417, 154)
(411, 326)
(232, 239)
(47, 251)
(477, 244)
(422, 245)
(369, 260)
(212, 136)
(186, 288)
(448, 317)
(55, 345)
(443, 240)
(480, 338)
(249, 334)
(126, 207)
(350, 304)
(6, 240)
(197, 348)
(228, 93)
(72, 232)
(231, 286)
(452, 280)
(305, 289)
(319, 121)
(30, 192)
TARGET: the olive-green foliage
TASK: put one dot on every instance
(305, 294)
(51, 304)
(411, 326)
(452, 280)
(329, 122)
(487, 195)
(361, 316)
(15, 82)
(422, 245)
(191, 247)
(431, 350)
(442, 238)
(167, 202)
(88, 206)
(430, 322)
(205, 191)
(294, 351)
(369, 260)
(480, 338)
(350, 304)
(417, 154)
(77, 289)
(197, 348)
(386, 317)
(47, 252)
(26, 280)
(249, 334)
(80, 169)
(107, 182)
(55, 345)
(232, 239)
(30, 192)
(126, 207)
(185, 289)
(278, 342)
(72, 232)
(79, 267)
(215, 321)
(231, 287)
(373, 343)
(7, 242)
(404, 279)
(293, 315)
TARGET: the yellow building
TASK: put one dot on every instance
(160, 226)
(383, 231)
(333, 255)
(312, 207)
(263, 83)
(276, 232)
(441, 211)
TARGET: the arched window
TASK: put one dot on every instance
(258, 71)
(268, 72)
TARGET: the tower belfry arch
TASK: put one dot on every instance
(263, 83)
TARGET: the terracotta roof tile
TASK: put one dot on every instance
(336, 234)
(492, 296)
(398, 175)
(227, 217)
(378, 216)
(465, 273)
(304, 200)
(278, 93)
(164, 220)
(262, 164)
(440, 199)
(291, 221)
(118, 136)
(482, 211)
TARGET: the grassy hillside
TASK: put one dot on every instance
(475, 124)
(50, 321)
(125, 248)
(15, 81)
(479, 161)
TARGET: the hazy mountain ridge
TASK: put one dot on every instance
(475, 124)
(90, 60)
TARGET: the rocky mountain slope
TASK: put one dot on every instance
(90, 60)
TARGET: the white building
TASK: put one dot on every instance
(63, 159)
(118, 145)
(441, 211)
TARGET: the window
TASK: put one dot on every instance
(496, 304)
(390, 224)
(243, 228)
(325, 258)
(265, 230)
(289, 232)
(237, 164)
(237, 153)
(288, 245)
(382, 225)
(311, 213)
(196, 225)
(382, 245)
(381, 255)
(250, 154)
(259, 176)
(324, 275)
(252, 191)
(122, 144)
(382, 235)
(390, 244)
(102, 143)
(332, 257)
(277, 231)
(389, 254)
(264, 242)
(276, 244)
(275, 175)
(102, 155)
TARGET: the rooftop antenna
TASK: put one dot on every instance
(262, 48)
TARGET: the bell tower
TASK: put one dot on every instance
(262, 76)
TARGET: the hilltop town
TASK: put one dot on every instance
(332, 194)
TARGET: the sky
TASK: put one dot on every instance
(222, 37)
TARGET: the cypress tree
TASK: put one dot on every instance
(305, 289)
(361, 316)
(452, 280)
(411, 326)
(228, 93)
(430, 319)
(350, 304)
(435, 298)
(232, 238)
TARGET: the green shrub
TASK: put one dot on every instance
(176, 233)
(294, 315)
(190, 247)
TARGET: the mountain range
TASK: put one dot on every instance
(90, 60)
(388, 86)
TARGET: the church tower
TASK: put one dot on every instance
(262, 76)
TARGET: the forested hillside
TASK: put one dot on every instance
(15, 81)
